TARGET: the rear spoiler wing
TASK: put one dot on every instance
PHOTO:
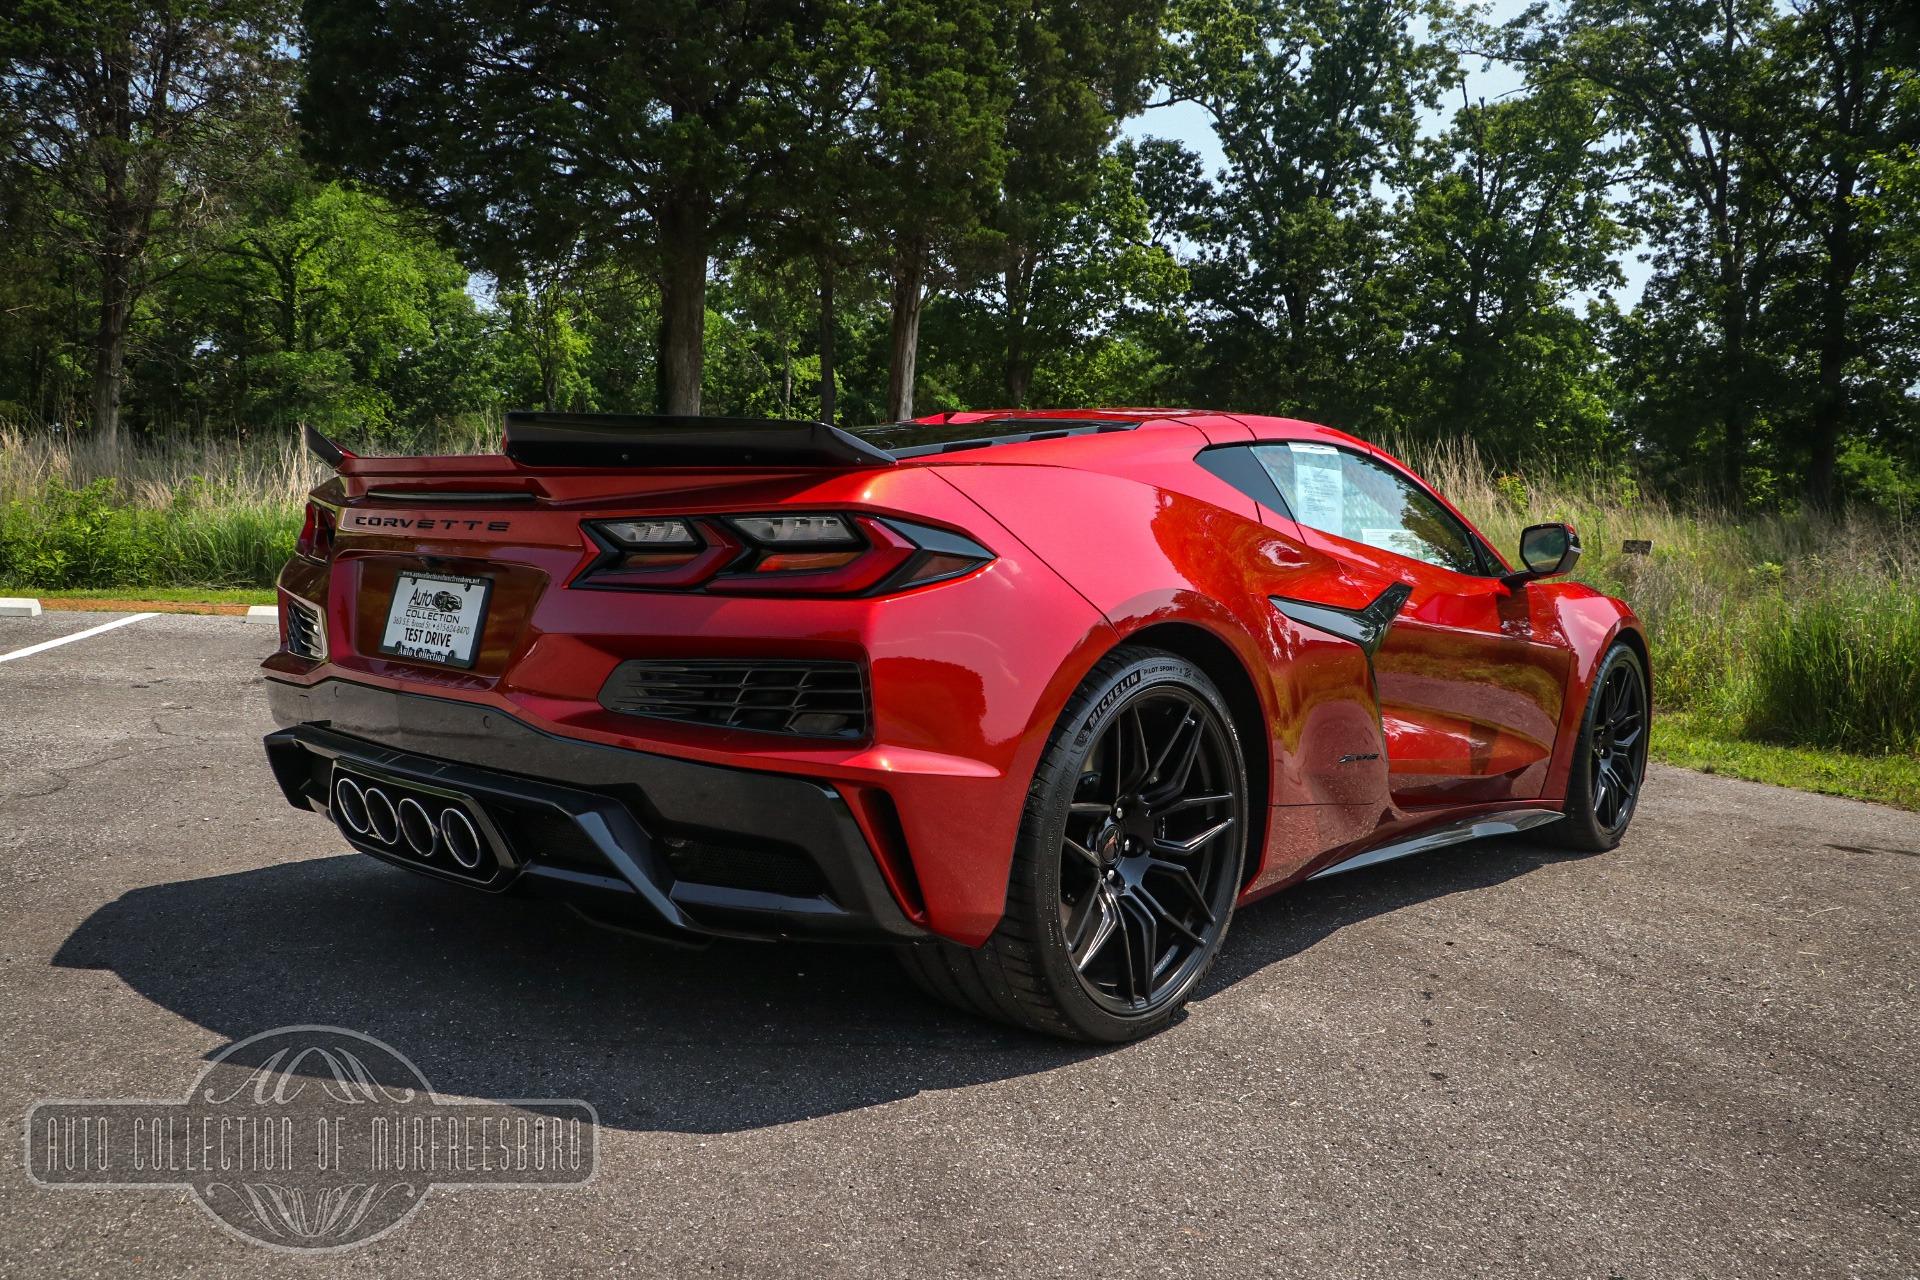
(640, 440)
(322, 448)
(636, 440)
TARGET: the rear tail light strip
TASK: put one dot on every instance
(316, 533)
(791, 553)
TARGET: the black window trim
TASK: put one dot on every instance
(1246, 475)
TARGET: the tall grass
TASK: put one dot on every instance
(1791, 628)
(1795, 628)
(218, 512)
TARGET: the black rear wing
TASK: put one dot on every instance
(639, 440)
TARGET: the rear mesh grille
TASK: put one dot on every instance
(305, 634)
(808, 699)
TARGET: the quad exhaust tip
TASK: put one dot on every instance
(367, 812)
(463, 842)
(350, 806)
(418, 827)
(381, 816)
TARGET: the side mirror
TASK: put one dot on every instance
(1546, 550)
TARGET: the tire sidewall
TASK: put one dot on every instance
(1123, 677)
(1580, 817)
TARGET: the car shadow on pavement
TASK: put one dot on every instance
(515, 998)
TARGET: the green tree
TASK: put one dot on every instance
(327, 305)
(1082, 278)
(547, 347)
(1080, 68)
(138, 119)
(651, 131)
(1841, 65)
(934, 125)
(1316, 106)
(1512, 222)
(1692, 83)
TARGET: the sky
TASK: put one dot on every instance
(1189, 125)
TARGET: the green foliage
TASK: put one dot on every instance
(1837, 668)
(1695, 740)
(92, 536)
(1316, 106)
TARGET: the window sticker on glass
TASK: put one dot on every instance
(1320, 485)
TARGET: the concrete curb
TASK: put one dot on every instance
(19, 607)
(263, 613)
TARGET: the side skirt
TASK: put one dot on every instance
(1492, 824)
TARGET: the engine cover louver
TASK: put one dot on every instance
(804, 698)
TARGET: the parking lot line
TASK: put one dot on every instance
(44, 645)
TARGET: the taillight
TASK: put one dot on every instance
(799, 553)
(316, 533)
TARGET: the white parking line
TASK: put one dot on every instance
(78, 635)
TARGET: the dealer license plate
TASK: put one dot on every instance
(436, 618)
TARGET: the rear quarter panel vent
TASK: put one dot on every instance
(811, 699)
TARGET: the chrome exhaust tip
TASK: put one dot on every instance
(350, 806)
(381, 818)
(417, 827)
(463, 842)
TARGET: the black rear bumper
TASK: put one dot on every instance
(651, 842)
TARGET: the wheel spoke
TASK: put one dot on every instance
(1139, 745)
(1183, 848)
(1184, 878)
(1173, 740)
(1127, 965)
(1183, 768)
(1089, 808)
(1094, 927)
(1167, 917)
(1086, 855)
(1195, 802)
(1618, 794)
(1143, 938)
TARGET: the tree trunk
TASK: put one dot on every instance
(120, 235)
(1018, 368)
(110, 347)
(829, 325)
(1836, 346)
(1019, 381)
(909, 295)
(683, 309)
(1736, 412)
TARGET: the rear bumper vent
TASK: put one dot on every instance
(806, 699)
(306, 631)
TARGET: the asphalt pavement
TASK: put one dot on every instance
(1698, 1055)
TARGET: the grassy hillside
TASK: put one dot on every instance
(1774, 631)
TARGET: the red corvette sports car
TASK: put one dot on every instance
(1041, 698)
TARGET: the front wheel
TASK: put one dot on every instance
(1610, 756)
(1128, 861)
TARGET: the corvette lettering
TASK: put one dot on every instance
(361, 520)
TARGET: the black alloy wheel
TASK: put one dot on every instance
(1129, 859)
(1610, 761)
(1146, 876)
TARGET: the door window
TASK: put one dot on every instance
(1358, 498)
